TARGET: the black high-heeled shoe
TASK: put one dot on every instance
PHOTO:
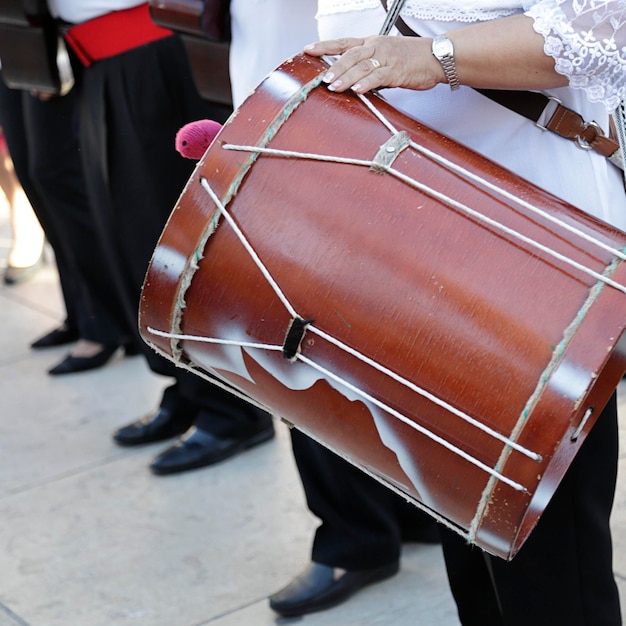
(71, 364)
(58, 337)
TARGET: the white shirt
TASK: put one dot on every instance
(78, 11)
(264, 34)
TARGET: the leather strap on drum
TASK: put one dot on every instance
(561, 121)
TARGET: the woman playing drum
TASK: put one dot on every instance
(574, 52)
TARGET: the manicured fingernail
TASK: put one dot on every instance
(328, 77)
(334, 86)
(309, 46)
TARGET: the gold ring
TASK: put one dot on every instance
(375, 62)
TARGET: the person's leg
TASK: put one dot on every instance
(563, 574)
(12, 120)
(223, 426)
(56, 168)
(131, 107)
(26, 253)
(135, 176)
(359, 527)
(470, 581)
(361, 530)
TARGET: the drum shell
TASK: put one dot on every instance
(461, 310)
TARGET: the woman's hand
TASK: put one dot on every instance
(498, 54)
(379, 61)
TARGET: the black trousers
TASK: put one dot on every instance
(131, 107)
(363, 523)
(563, 575)
(42, 137)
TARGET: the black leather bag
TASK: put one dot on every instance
(32, 52)
(215, 19)
(204, 27)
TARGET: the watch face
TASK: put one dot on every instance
(442, 47)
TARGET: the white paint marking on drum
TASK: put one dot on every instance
(386, 408)
(240, 394)
(424, 431)
(420, 505)
(429, 396)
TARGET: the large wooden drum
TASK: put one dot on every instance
(439, 322)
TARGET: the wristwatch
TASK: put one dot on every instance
(443, 50)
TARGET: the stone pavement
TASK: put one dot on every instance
(88, 537)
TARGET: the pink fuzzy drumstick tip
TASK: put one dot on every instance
(193, 139)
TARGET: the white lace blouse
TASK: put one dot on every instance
(586, 38)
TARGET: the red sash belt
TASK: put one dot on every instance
(114, 33)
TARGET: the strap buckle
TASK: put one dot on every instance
(548, 112)
(569, 124)
(581, 139)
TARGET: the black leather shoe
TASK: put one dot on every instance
(198, 448)
(71, 364)
(57, 337)
(165, 424)
(132, 349)
(321, 587)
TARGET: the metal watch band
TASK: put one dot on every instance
(447, 61)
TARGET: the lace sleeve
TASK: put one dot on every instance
(587, 39)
